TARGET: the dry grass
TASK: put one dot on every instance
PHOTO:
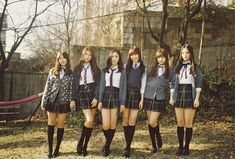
(211, 140)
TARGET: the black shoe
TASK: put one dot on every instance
(179, 152)
(79, 149)
(159, 141)
(105, 151)
(154, 150)
(84, 152)
(126, 153)
(185, 151)
(56, 154)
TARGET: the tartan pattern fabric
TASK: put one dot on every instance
(86, 93)
(184, 97)
(57, 106)
(154, 105)
(133, 98)
(110, 98)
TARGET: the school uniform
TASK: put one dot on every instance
(155, 91)
(56, 98)
(85, 88)
(58, 92)
(155, 100)
(185, 85)
(135, 86)
(112, 92)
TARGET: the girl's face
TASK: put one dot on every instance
(161, 59)
(62, 61)
(135, 58)
(185, 54)
(87, 56)
(114, 58)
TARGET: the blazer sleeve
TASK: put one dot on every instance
(71, 88)
(123, 85)
(47, 89)
(172, 79)
(102, 85)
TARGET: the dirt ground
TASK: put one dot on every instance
(211, 140)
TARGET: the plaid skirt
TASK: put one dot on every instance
(133, 98)
(110, 98)
(57, 106)
(154, 105)
(85, 96)
(184, 97)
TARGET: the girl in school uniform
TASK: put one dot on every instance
(155, 95)
(136, 80)
(185, 84)
(112, 95)
(85, 94)
(56, 99)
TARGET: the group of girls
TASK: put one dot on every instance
(126, 88)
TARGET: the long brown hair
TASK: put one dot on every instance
(58, 65)
(134, 50)
(94, 67)
(159, 53)
(180, 61)
(109, 61)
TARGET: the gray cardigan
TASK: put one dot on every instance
(158, 85)
(53, 85)
(174, 81)
(122, 87)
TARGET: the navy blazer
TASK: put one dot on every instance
(158, 85)
(54, 85)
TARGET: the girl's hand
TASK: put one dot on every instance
(196, 103)
(72, 105)
(100, 106)
(94, 103)
(141, 104)
(122, 108)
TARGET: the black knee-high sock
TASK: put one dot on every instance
(110, 137)
(152, 136)
(82, 137)
(87, 138)
(159, 138)
(106, 135)
(50, 133)
(126, 131)
(131, 132)
(180, 133)
(188, 136)
(60, 133)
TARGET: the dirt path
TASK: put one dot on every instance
(211, 140)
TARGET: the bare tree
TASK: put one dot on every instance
(191, 8)
(20, 33)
